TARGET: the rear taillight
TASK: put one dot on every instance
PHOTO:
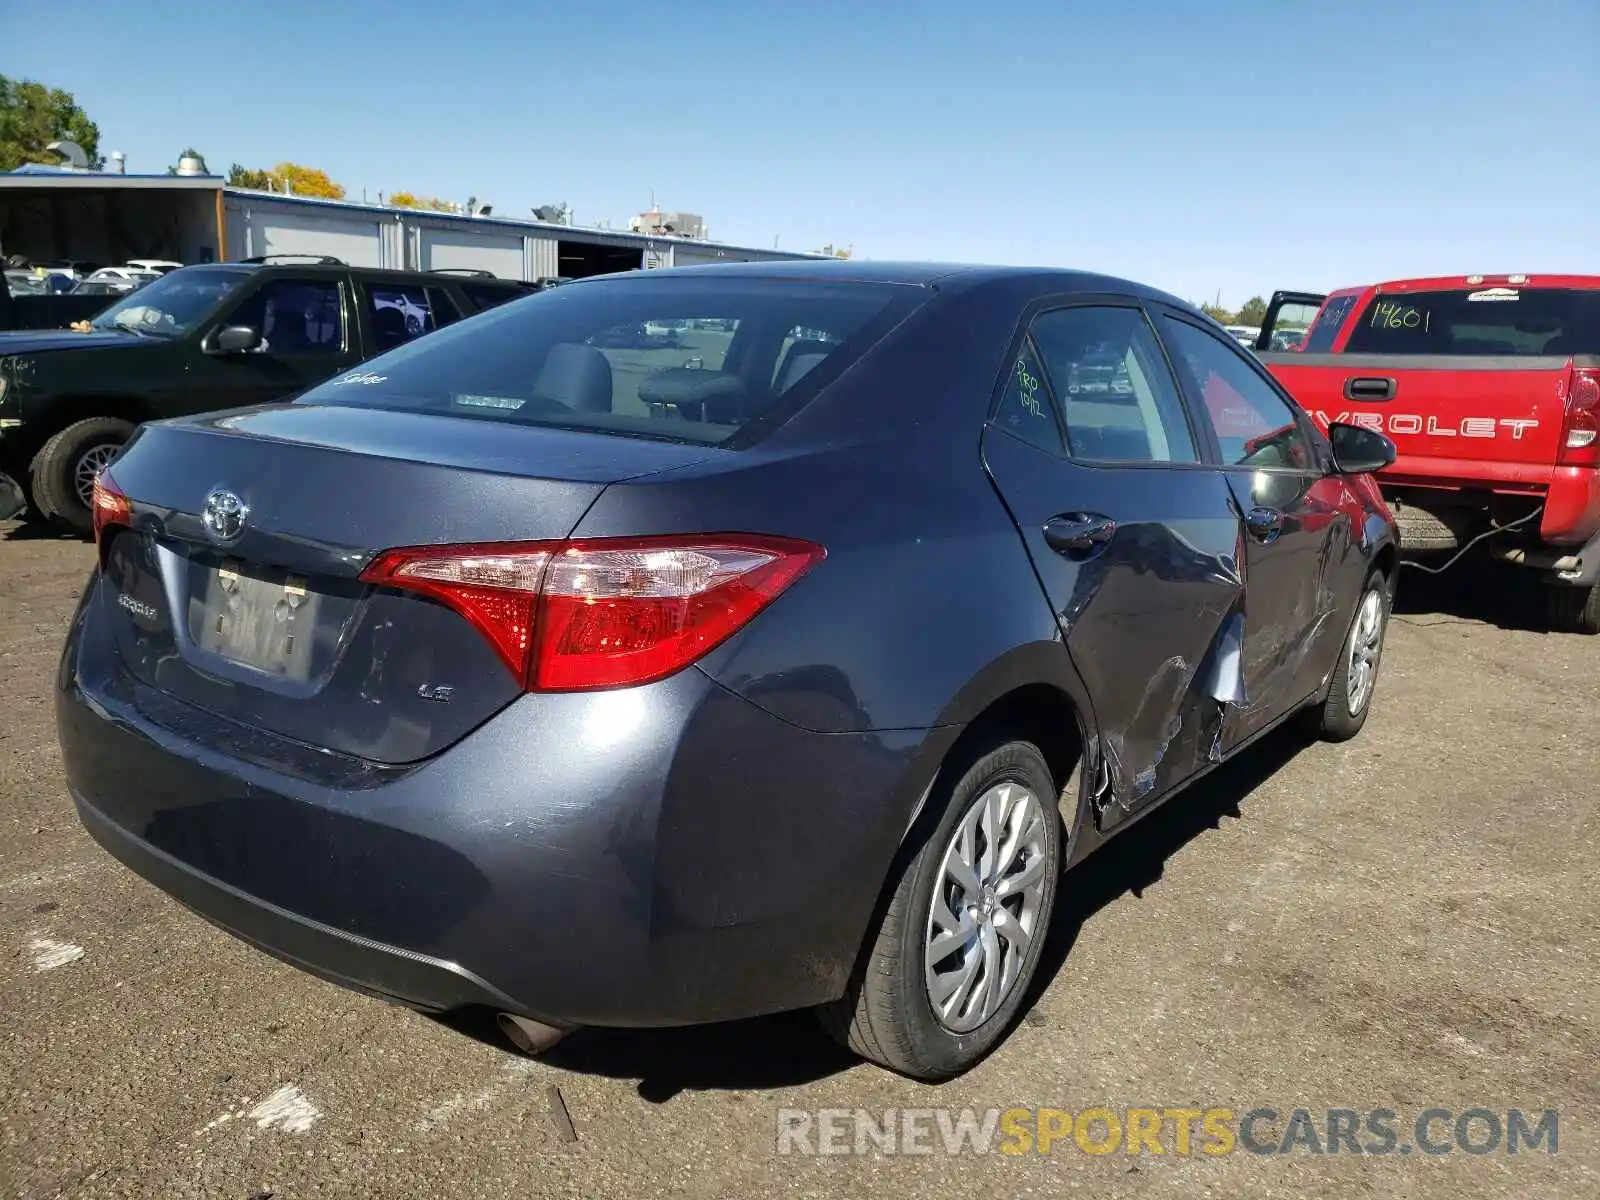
(110, 510)
(1580, 439)
(580, 615)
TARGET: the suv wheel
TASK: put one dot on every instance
(1573, 609)
(65, 468)
(950, 965)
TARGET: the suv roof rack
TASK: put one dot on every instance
(474, 272)
(322, 260)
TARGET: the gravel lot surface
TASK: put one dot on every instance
(1407, 921)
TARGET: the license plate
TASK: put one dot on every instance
(265, 623)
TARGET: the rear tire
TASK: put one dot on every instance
(65, 467)
(1355, 679)
(1573, 609)
(888, 1013)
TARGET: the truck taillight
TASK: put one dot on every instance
(109, 510)
(1580, 440)
(606, 612)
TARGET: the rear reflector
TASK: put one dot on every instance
(603, 613)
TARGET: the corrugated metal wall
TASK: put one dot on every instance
(416, 241)
(686, 254)
(458, 248)
(542, 257)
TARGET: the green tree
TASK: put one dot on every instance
(1252, 312)
(1217, 313)
(247, 177)
(32, 116)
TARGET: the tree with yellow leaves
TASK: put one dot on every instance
(430, 203)
(287, 177)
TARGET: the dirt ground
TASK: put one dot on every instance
(1408, 921)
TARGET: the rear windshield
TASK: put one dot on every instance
(708, 361)
(1483, 321)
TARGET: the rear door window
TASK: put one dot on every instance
(1491, 320)
(1117, 394)
(1330, 319)
(397, 313)
(718, 361)
(1026, 409)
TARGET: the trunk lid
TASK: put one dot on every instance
(271, 627)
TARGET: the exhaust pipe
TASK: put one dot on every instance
(529, 1036)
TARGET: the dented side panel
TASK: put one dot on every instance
(1300, 583)
(1151, 617)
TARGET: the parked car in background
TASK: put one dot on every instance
(34, 299)
(158, 265)
(131, 276)
(1490, 387)
(804, 689)
(199, 338)
(1243, 334)
(25, 282)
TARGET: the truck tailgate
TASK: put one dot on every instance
(1452, 418)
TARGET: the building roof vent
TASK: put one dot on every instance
(77, 160)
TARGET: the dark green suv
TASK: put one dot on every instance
(201, 338)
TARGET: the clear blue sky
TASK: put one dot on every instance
(1238, 146)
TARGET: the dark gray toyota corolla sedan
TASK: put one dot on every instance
(687, 645)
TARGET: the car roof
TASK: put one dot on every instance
(914, 274)
(312, 267)
(1464, 283)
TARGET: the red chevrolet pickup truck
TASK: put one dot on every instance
(1489, 387)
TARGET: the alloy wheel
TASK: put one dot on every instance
(1366, 639)
(88, 467)
(986, 906)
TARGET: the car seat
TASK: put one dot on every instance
(576, 375)
(798, 361)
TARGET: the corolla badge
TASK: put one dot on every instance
(224, 515)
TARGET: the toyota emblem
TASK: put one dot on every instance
(224, 515)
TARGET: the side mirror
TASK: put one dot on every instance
(1358, 451)
(237, 339)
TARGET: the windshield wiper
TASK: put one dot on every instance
(141, 330)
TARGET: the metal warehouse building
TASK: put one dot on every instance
(52, 215)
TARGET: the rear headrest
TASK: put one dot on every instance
(576, 375)
(798, 360)
(713, 396)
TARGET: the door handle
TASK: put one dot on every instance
(1078, 534)
(1264, 524)
(1370, 387)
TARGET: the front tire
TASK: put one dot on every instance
(950, 965)
(1573, 609)
(64, 470)
(1355, 679)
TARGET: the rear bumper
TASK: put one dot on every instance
(669, 854)
(361, 964)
